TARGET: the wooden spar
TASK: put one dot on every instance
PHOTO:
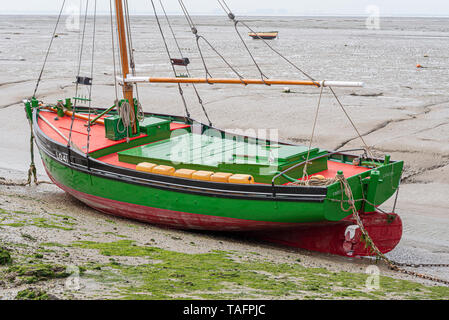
(243, 81)
(60, 133)
(79, 116)
(127, 88)
(97, 118)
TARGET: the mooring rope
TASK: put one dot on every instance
(32, 172)
(346, 188)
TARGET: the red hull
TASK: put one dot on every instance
(343, 238)
(173, 219)
(340, 238)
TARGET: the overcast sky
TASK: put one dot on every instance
(253, 7)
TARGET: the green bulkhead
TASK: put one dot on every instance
(201, 152)
(157, 128)
(115, 128)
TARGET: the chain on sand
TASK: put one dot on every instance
(370, 244)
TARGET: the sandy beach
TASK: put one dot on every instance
(402, 111)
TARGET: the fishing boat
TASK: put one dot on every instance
(264, 35)
(174, 171)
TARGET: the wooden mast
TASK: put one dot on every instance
(127, 88)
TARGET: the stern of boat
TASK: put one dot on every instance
(369, 190)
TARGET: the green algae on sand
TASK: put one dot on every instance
(19, 219)
(217, 275)
(32, 273)
(5, 256)
(32, 294)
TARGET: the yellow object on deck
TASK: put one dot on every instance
(164, 170)
(202, 175)
(220, 177)
(146, 167)
(184, 173)
(241, 178)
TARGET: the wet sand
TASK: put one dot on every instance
(402, 111)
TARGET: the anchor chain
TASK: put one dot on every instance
(422, 265)
(372, 246)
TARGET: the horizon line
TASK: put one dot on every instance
(400, 15)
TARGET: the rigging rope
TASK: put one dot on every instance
(232, 17)
(90, 87)
(169, 58)
(368, 149)
(340, 178)
(198, 37)
(236, 22)
(113, 53)
(130, 46)
(304, 174)
(49, 48)
(69, 142)
(32, 173)
(200, 100)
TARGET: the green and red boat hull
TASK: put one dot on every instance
(313, 218)
(312, 234)
(340, 238)
(180, 210)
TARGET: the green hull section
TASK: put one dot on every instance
(253, 210)
(273, 211)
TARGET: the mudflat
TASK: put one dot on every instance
(402, 111)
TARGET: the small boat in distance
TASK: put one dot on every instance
(264, 35)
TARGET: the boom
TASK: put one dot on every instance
(130, 80)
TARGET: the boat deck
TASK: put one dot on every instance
(333, 167)
(159, 152)
(98, 140)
